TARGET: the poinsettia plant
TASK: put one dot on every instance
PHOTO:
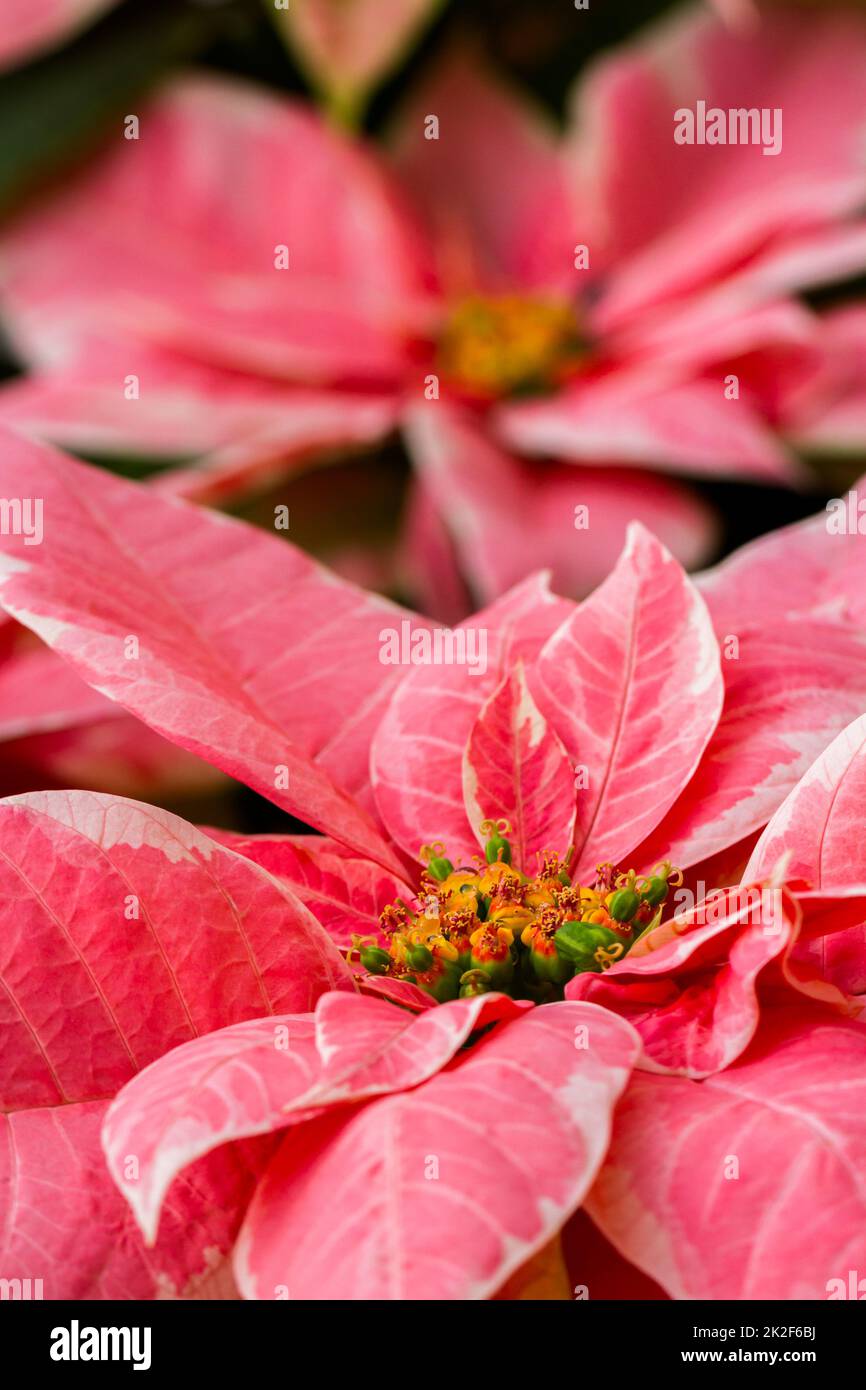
(391, 1059)
(594, 311)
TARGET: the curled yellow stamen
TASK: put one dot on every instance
(495, 827)
(606, 955)
(434, 851)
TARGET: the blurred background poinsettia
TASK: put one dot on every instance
(433, 283)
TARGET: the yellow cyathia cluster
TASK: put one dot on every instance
(495, 344)
(492, 926)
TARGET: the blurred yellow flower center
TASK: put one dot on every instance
(493, 345)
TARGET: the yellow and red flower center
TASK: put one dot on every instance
(489, 925)
(495, 345)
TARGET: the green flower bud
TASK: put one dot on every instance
(440, 867)
(656, 891)
(419, 958)
(623, 905)
(497, 850)
(572, 940)
(375, 961)
(578, 943)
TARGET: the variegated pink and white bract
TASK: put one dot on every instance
(141, 270)
(267, 1129)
